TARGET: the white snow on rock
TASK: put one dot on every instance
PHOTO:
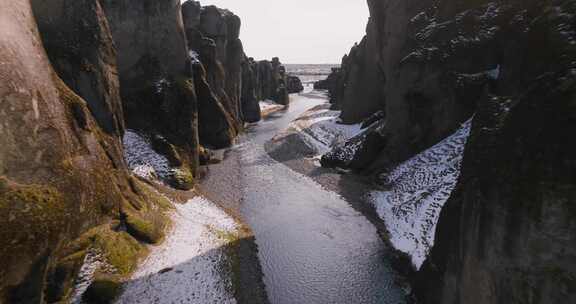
(142, 159)
(191, 265)
(418, 190)
(267, 106)
(194, 57)
(320, 130)
(92, 262)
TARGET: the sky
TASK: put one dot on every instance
(298, 31)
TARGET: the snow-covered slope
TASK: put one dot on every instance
(319, 130)
(190, 266)
(142, 159)
(418, 190)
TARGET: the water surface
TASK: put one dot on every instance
(313, 246)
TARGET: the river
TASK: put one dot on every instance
(313, 246)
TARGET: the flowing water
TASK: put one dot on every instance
(313, 246)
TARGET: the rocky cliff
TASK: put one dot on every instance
(506, 234)
(65, 192)
(235, 82)
(82, 79)
(156, 79)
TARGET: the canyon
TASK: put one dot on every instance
(145, 157)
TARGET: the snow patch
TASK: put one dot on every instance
(319, 129)
(190, 266)
(269, 105)
(142, 159)
(92, 262)
(194, 57)
(419, 188)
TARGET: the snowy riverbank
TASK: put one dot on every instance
(416, 189)
(315, 132)
(191, 265)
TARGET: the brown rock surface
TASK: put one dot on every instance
(58, 181)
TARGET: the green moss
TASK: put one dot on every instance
(182, 179)
(227, 236)
(76, 105)
(32, 209)
(3, 184)
(32, 194)
(145, 230)
(148, 194)
(61, 279)
(120, 250)
(104, 289)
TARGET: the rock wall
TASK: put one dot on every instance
(156, 78)
(506, 235)
(64, 188)
(294, 84)
(424, 101)
(80, 79)
(236, 82)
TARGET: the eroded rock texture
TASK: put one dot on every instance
(156, 76)
(235, 83)
(294, 84)
(64, 190)
(506, 235)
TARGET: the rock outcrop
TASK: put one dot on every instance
(424, 101)
(294, 84)
(506, 235)
(251, 88)
(64, 188)
(156, 77)
(235, 83)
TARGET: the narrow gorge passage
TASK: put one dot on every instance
(313, 246)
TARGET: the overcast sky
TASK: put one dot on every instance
(298, 31)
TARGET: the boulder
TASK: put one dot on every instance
(294, 84)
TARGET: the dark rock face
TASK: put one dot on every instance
(279, 83)
(360, 79)
(155, 72)
(216, 125)
(224, 64)
(80, 47)
(250, 88)
(424, 102)
(507, 233)
(294, 84)
(218, 117)
(237, 83)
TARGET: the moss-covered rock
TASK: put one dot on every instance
(119, 249)
(60, 280)
(164, 147)
(103, 290)
(149, 231)
(182, 179)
